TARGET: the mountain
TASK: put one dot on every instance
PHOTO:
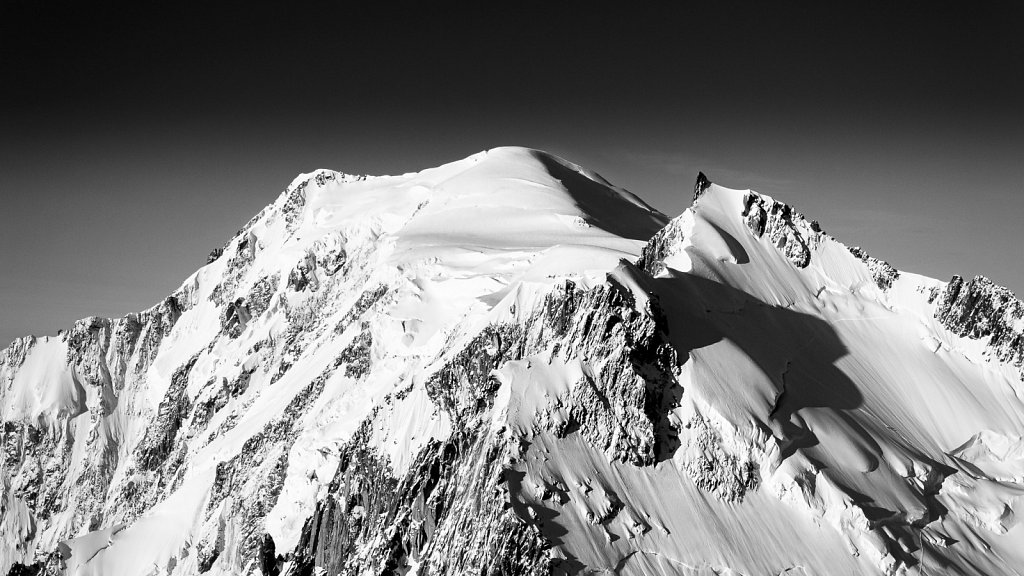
(507, 365)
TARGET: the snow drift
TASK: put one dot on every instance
(506, 365)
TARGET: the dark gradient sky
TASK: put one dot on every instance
(135, 139)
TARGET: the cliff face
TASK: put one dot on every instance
(63, 398)
(981, 310)
(505, 365)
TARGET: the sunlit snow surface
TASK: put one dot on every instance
(824, 424)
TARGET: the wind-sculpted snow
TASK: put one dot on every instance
(506, 365)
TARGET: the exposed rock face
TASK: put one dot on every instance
(700, 186)
(214, 254)
(787, 230)
(456, 510)
(19, 569)
(445, 373)
(980, 309)
(101, 359)
(668, 242)
(450, 513)
(882, 272)
(621, 404)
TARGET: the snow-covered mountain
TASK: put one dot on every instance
(506, 365)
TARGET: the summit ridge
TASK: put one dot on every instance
(508, 365)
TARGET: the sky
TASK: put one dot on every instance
(136, 138)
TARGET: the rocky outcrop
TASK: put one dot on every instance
(294, 198)
(19, 569)
(669, 241)
(464, 387)
(882, 272)
(982, 310)
(451, 513)
(700, 186)
(621, 405)
(783, 227)
(304, 275)
(158, 442)
(214, 255)
(713, 468)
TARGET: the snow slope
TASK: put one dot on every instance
(506, 365)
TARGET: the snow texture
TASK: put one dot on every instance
(507, 365)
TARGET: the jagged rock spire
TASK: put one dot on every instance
(700, 186)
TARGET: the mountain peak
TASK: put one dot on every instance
(700, 186)
(506, 364)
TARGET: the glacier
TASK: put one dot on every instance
(508, 365)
